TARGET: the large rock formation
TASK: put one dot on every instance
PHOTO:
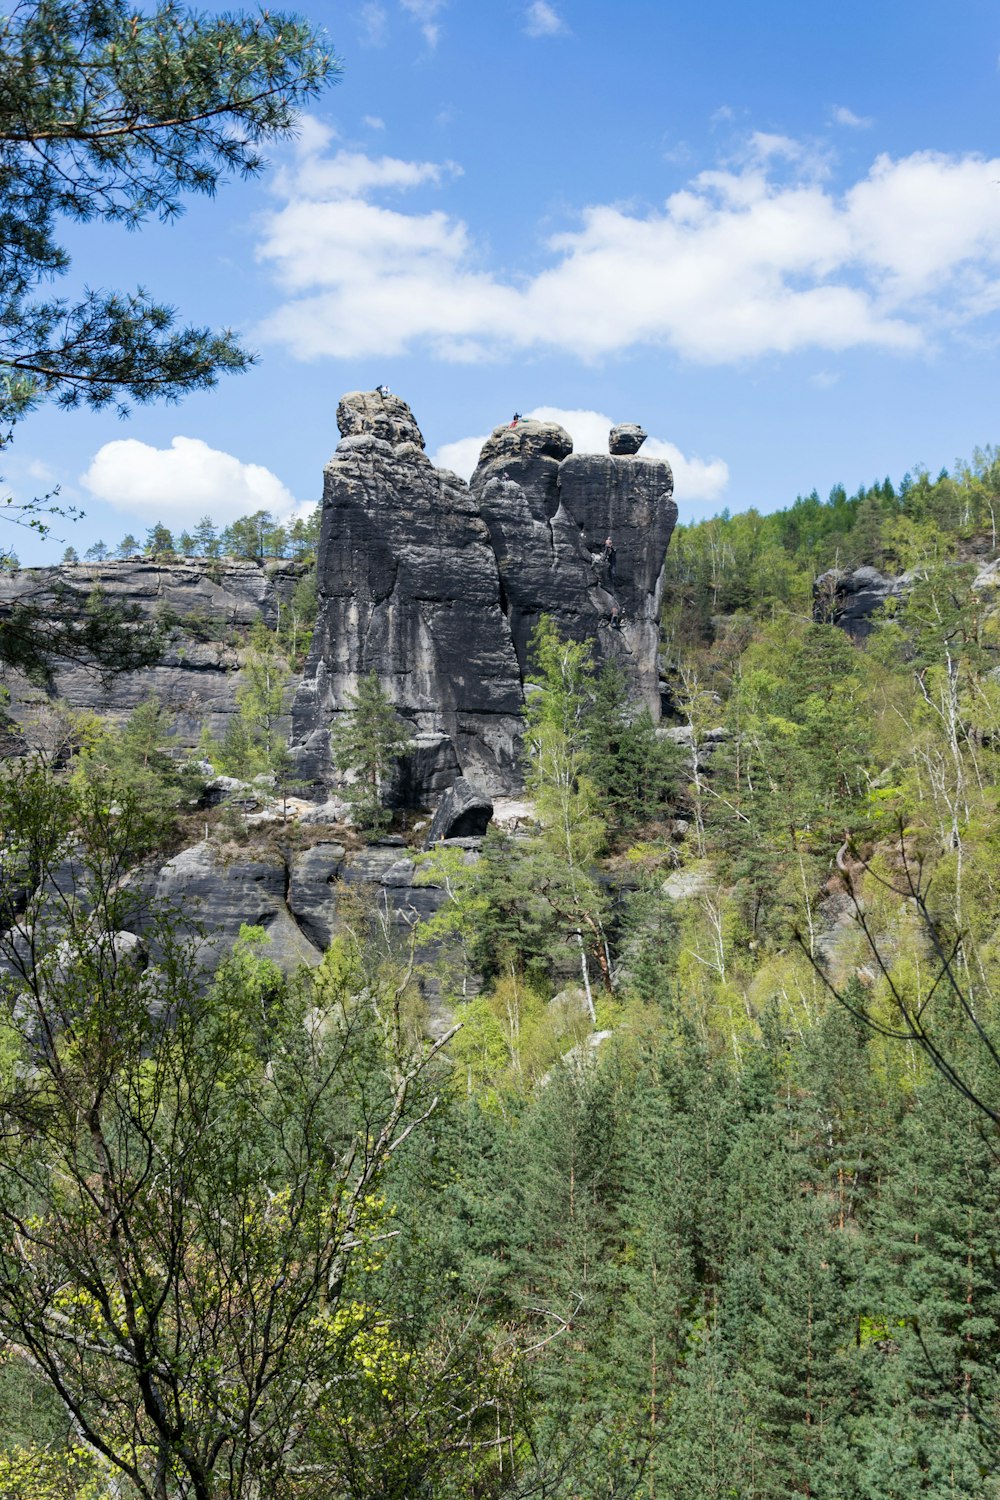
(433, 584)
(408, 588)
(852, 598)
(550, 512)
(437, 586)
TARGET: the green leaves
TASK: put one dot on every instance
(366, 742)
(109, 114)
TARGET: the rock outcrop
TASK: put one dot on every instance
(433, 584)
(550, 512)
(200, 603)
(437, 586)
(462, 813)
(296, 896)
(850, 598)
(626, 439)
(408, 588)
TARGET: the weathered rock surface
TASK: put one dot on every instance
(408, 588)
(850, 598)
(199, 673)
(433, 585)
(313, 875)
(627, 438)
(549, 512)
(296, 897)
(219, 893)
(462, 813)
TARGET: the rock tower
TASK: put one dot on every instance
(436, 585)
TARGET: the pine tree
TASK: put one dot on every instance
(205, 538)
(366, 743)
(159, 541)
(113, 115)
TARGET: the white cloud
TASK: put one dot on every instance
(180, 484)
(352, 174)
(844, 116)
(694, 478)
(425, 13)
(373, 122)
(461, 456)
(374, 24)
(541, 19)
(757, 257)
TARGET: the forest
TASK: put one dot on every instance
(696, 1193)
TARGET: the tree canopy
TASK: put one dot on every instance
(110, 114)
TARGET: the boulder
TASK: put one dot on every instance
(627, 438)
(463, 812)
(850, 598)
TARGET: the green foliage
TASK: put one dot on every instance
(113, 116)
(159, 542)
(635, 774)
(61, 623)
(135, 760)
(252, 744)
(367, 742)
(194, 1220)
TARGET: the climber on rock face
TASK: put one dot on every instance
(609, 558)
(383, 391)
(516, 418)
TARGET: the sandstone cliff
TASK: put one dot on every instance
(437, 585)
(432, 583)
(550, 511)
(408, 588)
(197, 677)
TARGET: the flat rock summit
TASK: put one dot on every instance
(436, 584)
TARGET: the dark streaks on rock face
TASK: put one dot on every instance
(433, 584)
(550, 512)
(196, 677)
(408, 588)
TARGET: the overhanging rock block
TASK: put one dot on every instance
(463, 813)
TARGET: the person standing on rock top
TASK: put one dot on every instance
(516, 418)
(383, 391)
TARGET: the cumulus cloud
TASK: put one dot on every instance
(759, 257)
(844, 116)
(541, 19)
(353, 174)
(694, 478)
(180, 484)
(373, 122)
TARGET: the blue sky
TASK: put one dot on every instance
(770, 234)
